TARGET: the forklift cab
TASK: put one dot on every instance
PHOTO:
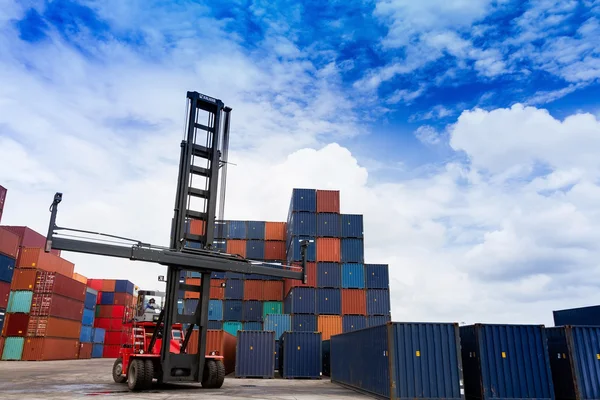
(145, 310)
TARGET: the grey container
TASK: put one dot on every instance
(255, 354)
(300, 355)
(400, 361)
(575, 361)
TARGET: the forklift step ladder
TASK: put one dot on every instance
(139, 339)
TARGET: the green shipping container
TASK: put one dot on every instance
(13, 348)
(19, 301)
(272, 307)
(97, 312)
(232, 327)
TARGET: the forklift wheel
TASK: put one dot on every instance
(117, 371)
(136, 378)
(149, 371)
(220, 374)
(209, 376)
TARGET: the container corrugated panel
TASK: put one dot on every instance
(353, 276)
(232, 327)
(234, 289)
(354, 302)
(232, 310)
(578, 316)
(220, 341)
(273, 291)
(575, 361)
(19, 301)
(353, 322)
(278, 323)
(329, 275)
(351, 226)
(275, 250)
(275, 231)
(255, 355)
(16, 324)
(311, 281)
(108, 298)
(215, 325)
(328, 250)
(24, 279)
(236, 247)
(108, 285)
(46, 349)
(54, 305)
(378, 302)
(97, 350)
(220, 245)
(377, 276)
(29, 238)
(375, 320)
(85, 336)
(4, 294)
(52, 282)
(253, 290)
(215, 310)
(326, 357)
(329, 325)
(328, 225)
(329, 301)
(304, 200)
(7, 268)
(221, 229)
(37, 258)
(9, 243)
(98, 335)
(217, 292)
(90, 300)
(124, 286)
(88, 317)
(253, 326)
(406, 361)
(55, 327)
(256, 230)
(237, 230)
(328, 201)
(352, 251)
(506, 362)
(304, 323)
(13, 348)
(301, 301)
(85, 351)
(294, 253)
(79, 278)
(253, 311)
(272, 307)
(255, 249)
(300, 355)
(303, 224)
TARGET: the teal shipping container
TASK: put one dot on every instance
(272, 307)
(13, 348)
(19, 301)
(232, 327)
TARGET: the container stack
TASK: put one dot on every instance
(9, 250)
(87, 323)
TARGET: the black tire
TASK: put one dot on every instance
(209, 375)
(220, 374)
(149, 373)
(117, 371)
(136, 376)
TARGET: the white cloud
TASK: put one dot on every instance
(405, 96)
(427, 134)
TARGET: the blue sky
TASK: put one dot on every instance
(465, 131)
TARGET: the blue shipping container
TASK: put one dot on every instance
(107, 298)
(216, 275)
(329, 275)
(253, 326)
(91, 297)
(353, 322)
(237, 230)
(377, 276)
(253, 311)
(124, 286)
(303, 224)
(328, 225)
(586, 316)
(234, 275)
(232, 310)
(98, 335)
(329, 302)
(88, 317)
(506, 362)
(215, 310)
(193, 245)
(220, 245)
(405, 361)
(85, 334)
(19, 301)
(278, 323)
(97, 350)
(375, 320)
(326, 357)
(7, 268)
(378, 302)
(218, 325)
(294, 253)
(304, 323)
(300, 300)
(351, 225)
(255, 354)
(352, 251)
(303, 200)
(190, 306)
(255, 249)
(353, 276)
(221, 229)
(574, 361)
(300, 355)
(277, 354)
(234, 289)
(256, 230)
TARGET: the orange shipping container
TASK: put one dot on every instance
(80, 278)
(85, 351)
(217, 291)
(273, 291)
(197, 227)
(194, 282)
(275, 231)
(33, 257)
(274, 250)
(311, 279)
(328, 201)
(219, 340)
(9, 243)
(329, 325)
(53, 327)
(108, 285)
(354, 302)
(46, 349)
(253, 290)
(23, 279)
(328, 250)
(236, 247)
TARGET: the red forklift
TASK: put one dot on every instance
(157, 349)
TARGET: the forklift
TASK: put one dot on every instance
(164, 355)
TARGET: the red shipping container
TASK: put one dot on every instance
(52, 282)
(32, 257)
(123, 299)
(354, 302)
(9, 243)
(328, 250)
(95, 284)
(115, 337)
(217, 292)
(99, 299)
(1, 340)
(85, 351)
(29, 238)
(55, 305)
(253, 290)
(311, 272)
(46, 349)
(108, 285)
(4, 293)
(328, 201)
(16, 324)
(116, 324)
(197, 227)
(219, 340)
(273, 291)
(193, 282)
(104, 311)
(117, 312)
(275, 231)
(54, 327)
(274, 250)
(24, 279)
(236, 247)
(111, 351)
(103, 323)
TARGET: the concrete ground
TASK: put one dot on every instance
(83, 378)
